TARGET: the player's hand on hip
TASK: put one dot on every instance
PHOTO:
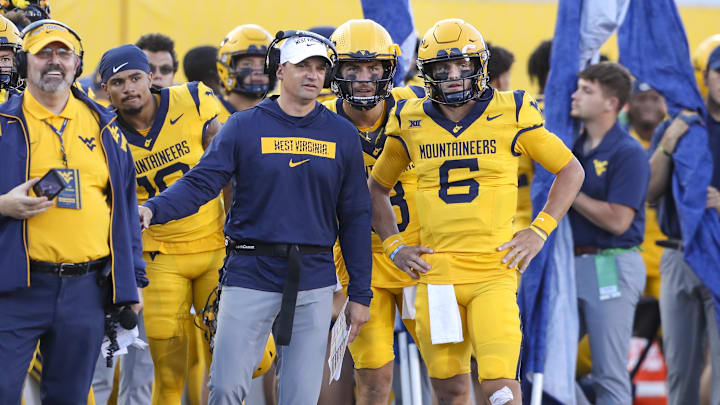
(356, 315)
(146, 215)
(523, 247)
(409, 260)
(17, 204)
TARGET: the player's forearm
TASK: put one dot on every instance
(660, 172)
(384, 222)
(564, 189)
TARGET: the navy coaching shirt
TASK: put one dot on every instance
(616, 171)
(298, 180)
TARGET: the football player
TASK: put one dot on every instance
(10, 43)
(464, 140)
(367, 59)
(168, 131)
(240, 65)
(699, 60)
(160, 50)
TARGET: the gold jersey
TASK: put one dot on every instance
(467, 173)
(164, 153)
(402, 195)
(225, 109)
(526, 170)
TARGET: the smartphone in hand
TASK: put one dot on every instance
(50, 185)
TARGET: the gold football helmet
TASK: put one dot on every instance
(268, 358)
(362, 41)
(453, 39)
(244, 40)
(700, 60)
(9, 41)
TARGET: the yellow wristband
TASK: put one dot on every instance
(539, 232)
(545, 222)
(391, 243)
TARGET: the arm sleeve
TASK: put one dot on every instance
(543, 147)
(354, 212)
(629, 176)
(131, 201)
(395, 156)
(203, 182)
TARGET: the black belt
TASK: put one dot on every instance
(286, 317)
(68, 269)
(586, 250)
(670, 243)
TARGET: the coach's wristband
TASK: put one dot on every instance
(545, 222)
(391, 243)
(538, 231)
(397, 249)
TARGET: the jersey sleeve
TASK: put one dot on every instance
(401, 93)
(527, 110)
(395, 156)
(543, 147)
(533, 139)
(208, 104)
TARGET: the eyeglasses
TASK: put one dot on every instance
(62, 53)
(164, 69)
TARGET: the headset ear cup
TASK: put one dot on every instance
(273, 63)
(329, 75)
(79, 70)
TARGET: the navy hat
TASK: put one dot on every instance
(639, 87)
(124, 57)
(714, 59)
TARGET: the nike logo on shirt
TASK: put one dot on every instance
(489, 118)
(116, 68)
(294, 164)
(172, 122)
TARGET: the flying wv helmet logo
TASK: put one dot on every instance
(600, 166)
(457, 128)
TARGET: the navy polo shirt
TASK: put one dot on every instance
(666, 209)
(616, 171)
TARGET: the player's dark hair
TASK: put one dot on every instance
(500, 61)
(539, 64)
(613, 78)
(18, 18)
(158, 43)
(199, 65)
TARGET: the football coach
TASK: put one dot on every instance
(299, 183)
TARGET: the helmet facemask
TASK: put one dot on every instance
(435, 77)
(343, 86)
(254, 90)
(9, 77)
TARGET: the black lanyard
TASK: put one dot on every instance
(59, 133)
